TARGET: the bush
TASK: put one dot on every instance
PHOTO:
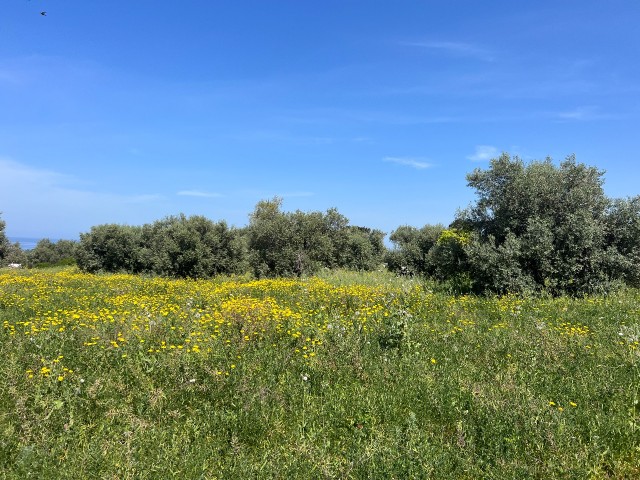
(193, 247)
(623, 237)
(410, 254)
(300, 243)
(110, 248)
(177, 246)
(47, 253)
(538, 226)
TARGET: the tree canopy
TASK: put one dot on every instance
(536, 226)
(300, 243)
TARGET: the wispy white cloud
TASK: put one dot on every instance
(417, 163)
(581, 114)
(460, 49)
(483, 153)
(295, 194)
(14, 172)
(282, 137)
(145, 198)
(36, 200)
(199, 193)
(9, 76)
(343, 115)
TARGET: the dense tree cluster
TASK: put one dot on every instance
(9, 252)
(177, 246)
(46, 253)
(299, 243)
(275, 243)
(535, 226)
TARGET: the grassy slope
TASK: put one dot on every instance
(349, 376)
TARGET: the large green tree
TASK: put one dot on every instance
(623, 237)
(546, 222)
(194, 247)
(299, 243)
(47, 253)
(274, 250)
(110, 248)
(359, 248)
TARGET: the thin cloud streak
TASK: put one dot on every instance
(409, 162)
(295, 194)
(357, 115)
(199, 193)
(455, 48)
(483, 153)
(39, 199)
(585, 113)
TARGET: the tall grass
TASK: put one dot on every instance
(344, 376)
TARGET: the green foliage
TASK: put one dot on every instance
(623, 237)
(404, 383)
(4, 242)
(359, 248)
(15, 254)
(410, 254)
(273, 248)
(179, 246)
(47, 253)
(110, 248)
(274, 244)
(538, 226)
(300, 243)
(192, 247)
(10, 252)
(496, 268)
(535, 227)
(448, 255)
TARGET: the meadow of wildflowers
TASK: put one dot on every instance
(344, 376)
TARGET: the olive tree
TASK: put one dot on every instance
(359, 248)
(47, 253)
(299, 243)
(547, 222)
(194, 247)
(623, 237)
(273, 249)
(411, 247)
(110, 248)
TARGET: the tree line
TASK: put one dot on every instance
(274, 243)
(45, 254)
(534, 227)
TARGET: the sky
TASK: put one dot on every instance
(129, 111)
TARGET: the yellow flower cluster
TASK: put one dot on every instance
(159, 316)
(572, 330)
(50, 368)
(125, 315)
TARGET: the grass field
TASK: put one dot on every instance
(337, 376)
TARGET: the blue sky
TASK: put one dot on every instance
(128, 111)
